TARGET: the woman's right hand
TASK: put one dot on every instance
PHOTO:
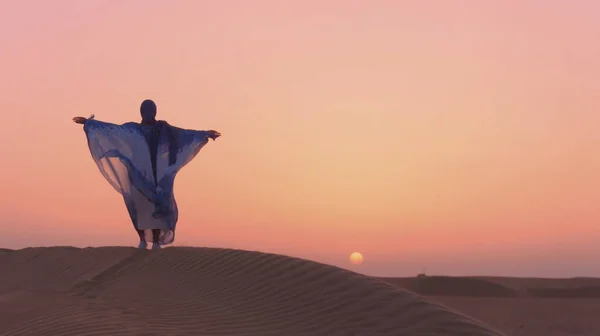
(80, 120)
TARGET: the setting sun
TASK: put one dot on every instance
(356, 258)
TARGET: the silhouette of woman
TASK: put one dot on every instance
(141, 160)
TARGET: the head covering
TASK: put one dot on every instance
(148, 110)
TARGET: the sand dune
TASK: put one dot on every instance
(551, 288)
(518, 306)
(500, 286)
(529, 316)
(201, 291)
(453, 286)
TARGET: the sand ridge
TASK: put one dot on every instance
(203, 291)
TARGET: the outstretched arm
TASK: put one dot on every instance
(212, 134)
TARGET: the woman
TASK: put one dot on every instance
(141, 160)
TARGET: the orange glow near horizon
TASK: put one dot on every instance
(429, 134)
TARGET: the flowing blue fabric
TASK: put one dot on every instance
(141, 162)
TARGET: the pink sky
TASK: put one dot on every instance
(461, 136)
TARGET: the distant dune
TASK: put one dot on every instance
(453, 286)
(518, 306)
(201, 291)
(500, 286)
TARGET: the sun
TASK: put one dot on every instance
(356, 258)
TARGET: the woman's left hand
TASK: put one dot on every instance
(213, 134)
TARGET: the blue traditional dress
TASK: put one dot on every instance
(141, 162)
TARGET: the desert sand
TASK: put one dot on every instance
(202, 291)
(518, 306)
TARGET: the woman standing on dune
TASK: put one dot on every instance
(141, 160)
